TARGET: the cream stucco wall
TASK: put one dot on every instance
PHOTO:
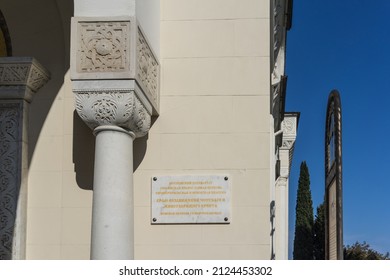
(214, 118)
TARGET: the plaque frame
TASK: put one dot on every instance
(171, 191)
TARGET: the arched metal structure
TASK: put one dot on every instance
(333, 180)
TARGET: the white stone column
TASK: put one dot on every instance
(289, 128)
(20, 79)
(113, 217)
(115, 78)
(281, 217)
(116, 119)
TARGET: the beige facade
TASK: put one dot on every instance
(217, 81)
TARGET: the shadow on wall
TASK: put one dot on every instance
(41, 29)
(84, 152)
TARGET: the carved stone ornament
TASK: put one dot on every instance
(103, 46)
(113, 107)
(9, 175)
(114, 48)
(289, 126)
(288, 144)
(16, 72)
(147, 67)
(281, 181)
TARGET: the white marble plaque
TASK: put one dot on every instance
(191, 199)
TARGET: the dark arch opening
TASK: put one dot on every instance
(5, 38)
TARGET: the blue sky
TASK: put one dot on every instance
(344, 45)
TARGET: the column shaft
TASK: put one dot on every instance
(113, 214)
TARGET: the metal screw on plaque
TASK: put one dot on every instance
(154, 220)
(226, 178)
(154, 178)
(226, 219)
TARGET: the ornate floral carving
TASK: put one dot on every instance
(9, 176)
(147, 68)
(119, 108)
(103, 46)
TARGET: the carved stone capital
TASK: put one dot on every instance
(114, 48)
(21, 77)
(120, 108)
(282, 181)
(289, 127)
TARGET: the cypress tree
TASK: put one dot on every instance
(303, 241)
(319, 233)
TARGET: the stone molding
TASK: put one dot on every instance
(114, 48)
(113, 107)
(21, 77)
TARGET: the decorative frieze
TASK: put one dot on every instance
(116, 107)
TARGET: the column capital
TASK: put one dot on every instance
(21, 77)
(289, 127)
(281, 181)
(286, 151)
(114, 49)
(114, 72)
(117, 107)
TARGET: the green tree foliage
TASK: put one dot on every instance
(303, 241)
(362, 251)
(319, 233)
